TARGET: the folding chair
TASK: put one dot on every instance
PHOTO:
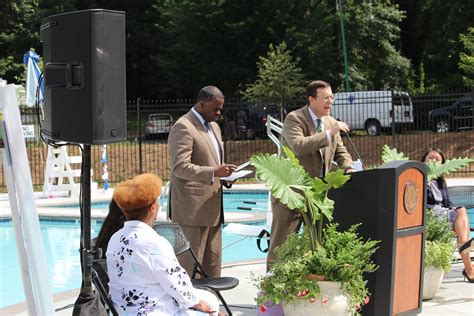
(173, 233)
(100, 279)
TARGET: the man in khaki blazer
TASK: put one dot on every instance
(312, 135)
(196, 152)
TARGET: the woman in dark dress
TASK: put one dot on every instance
(438, 199)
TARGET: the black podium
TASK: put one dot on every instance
(390, 203)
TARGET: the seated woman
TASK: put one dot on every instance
(438, 199)
(145, 276)
(112, 223)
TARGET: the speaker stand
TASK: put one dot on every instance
(87, 255)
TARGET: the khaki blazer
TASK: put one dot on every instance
(195, 199)
(299, 134)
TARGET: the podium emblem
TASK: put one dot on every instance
(410, 196)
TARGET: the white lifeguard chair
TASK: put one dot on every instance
(274, 128)
(60, 173)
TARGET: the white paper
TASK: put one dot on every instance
(236, 175)
(242, 166)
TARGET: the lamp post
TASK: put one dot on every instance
(344, 48)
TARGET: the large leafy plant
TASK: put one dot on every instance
(435, 168)
(291, 184)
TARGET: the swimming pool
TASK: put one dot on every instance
(61, 238)
(234, 201)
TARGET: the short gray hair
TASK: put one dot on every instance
(208, 93)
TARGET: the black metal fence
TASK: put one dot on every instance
(410, 124)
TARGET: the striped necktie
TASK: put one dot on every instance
(319, 129)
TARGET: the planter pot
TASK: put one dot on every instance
(432, 278)
(334, 302)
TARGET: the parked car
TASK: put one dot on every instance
(457, 116)
(158, 124)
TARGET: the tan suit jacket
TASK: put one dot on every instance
(194, 199)
(300, 135)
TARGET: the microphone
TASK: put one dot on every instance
(353, 146)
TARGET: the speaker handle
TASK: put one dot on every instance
(74, 76)
(69, 75)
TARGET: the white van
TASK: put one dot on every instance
(373, 110)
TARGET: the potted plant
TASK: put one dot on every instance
(439, 238)
(439, 247)
(308, 264)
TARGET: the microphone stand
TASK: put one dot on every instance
(355, 149)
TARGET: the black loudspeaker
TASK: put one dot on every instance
(84, 77)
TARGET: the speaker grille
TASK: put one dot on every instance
(88, 49)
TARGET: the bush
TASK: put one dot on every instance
(343, 257)
(439, 255)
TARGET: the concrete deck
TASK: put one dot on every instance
(455, 297)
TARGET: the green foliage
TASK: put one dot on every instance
(466, 60)
(176, 47)
(19, 32)
(291, 183)
(270, 170)
(343, 257)
(372, 33)
(438, 229)
(437, 25)
(436, 168)
(279, 77)
(389, 154)
(438, 255)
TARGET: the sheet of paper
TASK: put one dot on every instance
(236, 175)
(242, 166)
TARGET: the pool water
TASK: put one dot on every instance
(61, 238)
(234, 201)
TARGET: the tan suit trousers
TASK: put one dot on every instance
(206, 242)
(285, 222)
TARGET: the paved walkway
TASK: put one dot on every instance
(455, 297)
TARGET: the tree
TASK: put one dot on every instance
(466, 62)
(279, 78)
(441, 23)
(373, 35)
(18, 18)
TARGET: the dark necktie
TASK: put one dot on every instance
(319, 129)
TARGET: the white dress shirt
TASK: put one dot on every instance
(145, 276)
(315, 121)
(209, 131)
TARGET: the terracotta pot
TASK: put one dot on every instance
(432, 278)
(334, 302)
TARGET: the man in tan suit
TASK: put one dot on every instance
(196, 151)
(314, 137)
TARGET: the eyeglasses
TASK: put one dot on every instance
(326, 98)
